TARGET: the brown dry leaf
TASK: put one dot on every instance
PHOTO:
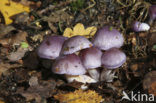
(5, 29)
(4, 67)
(149, 82)
(79, 96)
(14, 39)
(152, 89)
(38, 91)
(58, 16)
(31, 3)
(19, 54)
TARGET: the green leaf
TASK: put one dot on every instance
(110, 28)
(154, 47)
(24, 45)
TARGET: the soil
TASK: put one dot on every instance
(26, 78)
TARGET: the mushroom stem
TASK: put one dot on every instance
(80, 78)
(107, 75)
(94, 73)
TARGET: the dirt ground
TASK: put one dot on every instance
(26, 78)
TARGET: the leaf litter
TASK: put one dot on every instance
(24, 78)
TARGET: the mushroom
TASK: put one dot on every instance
(152, 13)
(139, 26)
(72, 67)
(108, 37)
(113, 58)
(75, 44)
(91, 59)
(51, 47)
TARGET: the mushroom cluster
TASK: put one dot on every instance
(79, 59)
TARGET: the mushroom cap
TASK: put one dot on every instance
(107, 38)
(75, 44)
(152, 12)
(113, 58)
(91, 57)
(69, 64)
(139, 26)
(51, 47)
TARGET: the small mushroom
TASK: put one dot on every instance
(139, 26)
(152, 13)
(113, 58)
(108, 37)
(75, 44)
(91, 59)
(72, 67)
(51, 47)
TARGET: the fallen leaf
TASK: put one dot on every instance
(38, 91)
(152, 89)
(24, 45)
(9, 8)
(58, 16)
(90, 31)
(79, 96)
(2, 101)
(5, 29)
(80, 30)
(33, 81)
(16, 39)
(19, 54)
(149, 82)
(68, 32)
(4, 67)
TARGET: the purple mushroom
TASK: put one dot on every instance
(139, 26)
(70, 65)
(51, 47)
(75, 44)
(113, 58)
(91, 59)
(108, 37)
(152, 13)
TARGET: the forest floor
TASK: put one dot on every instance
(26, 78)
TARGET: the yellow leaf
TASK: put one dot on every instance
(9, 8)
(2, 101)
(68, 32)
(79, 29)
(79, 96)
(90, 31)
